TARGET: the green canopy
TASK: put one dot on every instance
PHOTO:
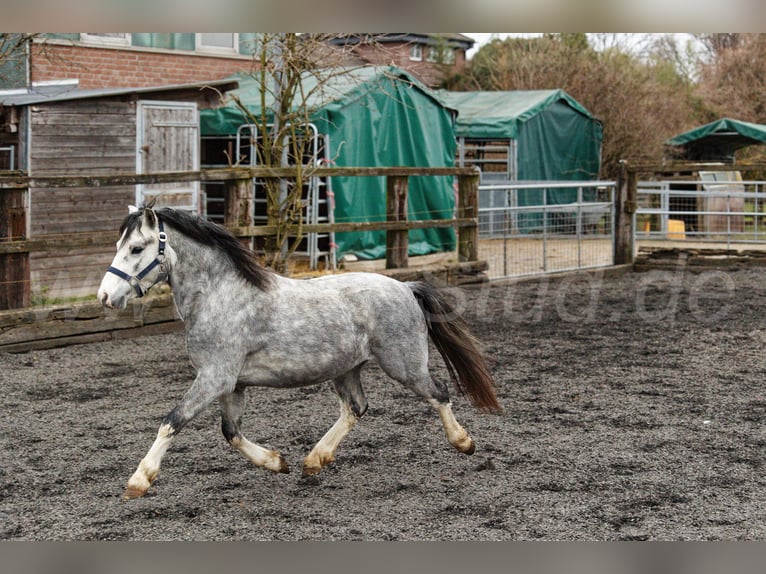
(556, 139)
(372, 117)
(718, 140)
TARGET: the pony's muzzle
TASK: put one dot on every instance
(112, 300)
(107, 301)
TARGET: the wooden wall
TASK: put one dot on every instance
(73, 138)
(14, 267)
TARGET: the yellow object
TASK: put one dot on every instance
(647, 226)
(676, 229)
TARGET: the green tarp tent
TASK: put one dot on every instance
(555, 138)
(718, 140)
(373, 117)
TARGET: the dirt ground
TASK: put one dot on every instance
(634, 409)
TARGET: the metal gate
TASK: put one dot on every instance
(715, 210)
(316, 194)
(529, 228)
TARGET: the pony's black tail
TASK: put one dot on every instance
(457, 346)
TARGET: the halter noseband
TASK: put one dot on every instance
(135, 280)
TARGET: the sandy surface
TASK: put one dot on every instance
(634, 410)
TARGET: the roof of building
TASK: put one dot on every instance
(70, 91)
(460, 40)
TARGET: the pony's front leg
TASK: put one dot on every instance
(149, 467)
(208, 386)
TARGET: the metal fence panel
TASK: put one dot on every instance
(720, 211)
(529, 228)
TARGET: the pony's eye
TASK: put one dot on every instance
(136, 250)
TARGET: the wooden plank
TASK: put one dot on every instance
(87, 134)
(397, 241)
(59, 241)
(73, 260)
(115, 165)
(53, 132)
(74, 120)
(96, 153)
(107, 238)
(82, 320)
(64, 209)
(96, 180)
(265, 230)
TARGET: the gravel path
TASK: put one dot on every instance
(634, 410)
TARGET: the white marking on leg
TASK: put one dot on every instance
(149, 467)
(323, 452)
(456, 434)
(260, 456)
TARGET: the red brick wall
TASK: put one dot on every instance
(430, 73)
(112, 68)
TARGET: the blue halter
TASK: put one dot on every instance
(135, 280)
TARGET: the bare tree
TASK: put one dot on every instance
(717, 44)
(293, 73)
(13, 57)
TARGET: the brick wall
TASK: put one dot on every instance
(112, 68)
(430, 73)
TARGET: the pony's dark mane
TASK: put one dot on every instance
(210, 234)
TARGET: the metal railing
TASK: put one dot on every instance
(541, 227)
(720, 212)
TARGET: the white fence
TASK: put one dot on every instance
(528, 228)
(725, 211)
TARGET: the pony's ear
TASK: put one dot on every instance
(150, 218)
(132, 209)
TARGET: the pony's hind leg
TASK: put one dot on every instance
(456, 434)
(232, 405)
(435, 391)
(353, 404)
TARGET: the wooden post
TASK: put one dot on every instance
(14, 267)
(624, 208)
(238, 204)
(468, 206)
(397, 242)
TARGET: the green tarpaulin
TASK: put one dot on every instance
(556, 139)
(373, 117)
(718, 140)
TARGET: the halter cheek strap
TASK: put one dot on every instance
(135, 280)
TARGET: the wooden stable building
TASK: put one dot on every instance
(64, 131)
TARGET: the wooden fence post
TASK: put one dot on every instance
(397, 242)
(624, 208)
(238, 204)
(14, 267)
(468, 206)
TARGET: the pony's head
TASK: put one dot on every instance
(141, 260)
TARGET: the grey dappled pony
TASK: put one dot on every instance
(246, 325)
